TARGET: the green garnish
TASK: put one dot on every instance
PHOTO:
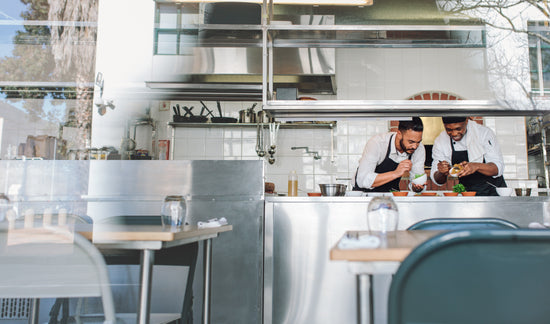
(459, 188)
(393, 190)
(419, 175)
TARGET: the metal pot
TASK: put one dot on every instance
(247, 116)
(264, 117)
(333, 189)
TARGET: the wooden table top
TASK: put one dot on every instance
(149, 232)
(399, 245)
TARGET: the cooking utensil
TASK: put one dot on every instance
(491, 184)
(177, 114)
(187, 111)
(333, 189)
(219, 108)
(204, 107)
(222, 119)
(260, 141)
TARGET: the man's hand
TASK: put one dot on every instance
(404, 166)
(417, 188)
(443, 167)
(468, 168)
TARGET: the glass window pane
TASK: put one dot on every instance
(168, 16)
(167, 43)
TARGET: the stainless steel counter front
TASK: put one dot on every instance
(301, 284)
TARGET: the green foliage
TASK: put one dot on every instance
(31, 67)
(459, 188)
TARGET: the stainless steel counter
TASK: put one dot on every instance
(301, 284)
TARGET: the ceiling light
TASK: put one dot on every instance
(299, 2)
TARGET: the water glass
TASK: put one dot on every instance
(174, 212)
(382, 215)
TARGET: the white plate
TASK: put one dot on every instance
(355, 193)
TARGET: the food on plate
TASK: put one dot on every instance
(455, 169)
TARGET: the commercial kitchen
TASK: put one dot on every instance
(110, 107)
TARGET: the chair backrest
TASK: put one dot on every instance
(474, 276)
(462, 224)
(52, 262)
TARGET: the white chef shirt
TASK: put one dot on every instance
(375, 152)
(442, 150)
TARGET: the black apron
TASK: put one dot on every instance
(387, 165)
(476, 182)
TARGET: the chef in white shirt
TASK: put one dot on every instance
(387, 157)
(475, 149)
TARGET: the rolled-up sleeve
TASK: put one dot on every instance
(492, 151)
(441, 151)
(369, 160)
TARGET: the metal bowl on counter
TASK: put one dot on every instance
(333, 189)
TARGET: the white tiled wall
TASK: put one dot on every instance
(372, 74)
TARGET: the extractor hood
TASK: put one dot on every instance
(235, 73)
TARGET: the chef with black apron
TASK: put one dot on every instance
(388, 156)
(472, 147)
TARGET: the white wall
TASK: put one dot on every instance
(124, 55)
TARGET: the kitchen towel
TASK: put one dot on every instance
(214, 222)
(359, 242)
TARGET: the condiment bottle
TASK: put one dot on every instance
(292, 184)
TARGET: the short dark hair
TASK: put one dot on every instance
(415, 125)
(452, 120)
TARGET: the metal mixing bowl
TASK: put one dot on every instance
(332, 189)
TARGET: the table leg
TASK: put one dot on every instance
(365, 305)
(144, 307)
(35, 310)
(207, 275)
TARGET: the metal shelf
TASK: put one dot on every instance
(299, 125)
(323, 109)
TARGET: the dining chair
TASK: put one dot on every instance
(52, 262)
(474, 276)
(462, 223)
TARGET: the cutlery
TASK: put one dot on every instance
(491, 184)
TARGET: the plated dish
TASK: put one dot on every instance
(455, 170)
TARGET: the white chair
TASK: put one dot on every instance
(52, 262)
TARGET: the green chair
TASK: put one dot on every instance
(462, 224)
(474, 276)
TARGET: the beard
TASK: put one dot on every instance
(404, 148)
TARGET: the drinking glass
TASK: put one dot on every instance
(174, 212)
(382, 215)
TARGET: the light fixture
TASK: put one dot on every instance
(101, 103)
(297, 2)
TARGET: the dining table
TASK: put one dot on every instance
(150, 238)
(381, 257)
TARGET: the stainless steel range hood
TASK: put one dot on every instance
(235, 73)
